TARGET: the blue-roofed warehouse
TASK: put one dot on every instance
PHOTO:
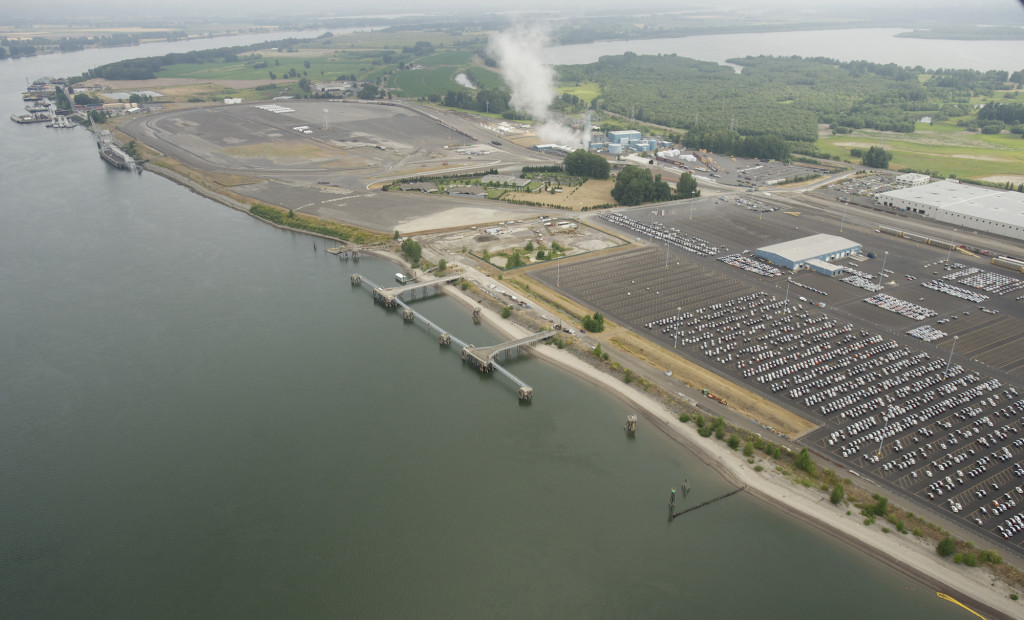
(812, 252)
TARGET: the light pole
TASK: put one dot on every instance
(558, 272)
(881, 274)
(843, 223)
(950, 361)
(675, 333)
(788, 282)
(692, 199)
(950, 245)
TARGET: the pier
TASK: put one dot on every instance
(395, 296)
(481, 357)
(672, 502)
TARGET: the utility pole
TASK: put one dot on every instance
(950, 361)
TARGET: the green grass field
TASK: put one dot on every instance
(587, 91)
(394, 39)
(446, 58)
(320, 69)
(943, 148)
(485, 78)
(426, 82)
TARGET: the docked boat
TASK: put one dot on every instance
(62, 122)
(29, 118)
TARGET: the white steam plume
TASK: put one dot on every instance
(532, 82)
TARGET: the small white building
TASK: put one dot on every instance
(912, 179)
(232, 100)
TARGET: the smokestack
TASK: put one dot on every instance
(586, 132)
(532, 82)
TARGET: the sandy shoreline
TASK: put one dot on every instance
(914, 557)
(974, 587)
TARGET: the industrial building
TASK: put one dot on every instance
(913, 179)
(624, 136)
(969, 206)
(809, 253)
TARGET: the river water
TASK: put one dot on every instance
(200, 417)
(872, 44)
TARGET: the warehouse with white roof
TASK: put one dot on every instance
(812, 252)
(969, 206)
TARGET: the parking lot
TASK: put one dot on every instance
(905, 410)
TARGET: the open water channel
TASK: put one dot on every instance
(200, 417)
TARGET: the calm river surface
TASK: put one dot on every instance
(873, 44)
(199, 417)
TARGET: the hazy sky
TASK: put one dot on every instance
(63, 11)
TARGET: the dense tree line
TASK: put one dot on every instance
(494, 100)
(147, 68)
(581, 163)
(782, 97)
(731, 143)
(1007, 112)
(635, 185)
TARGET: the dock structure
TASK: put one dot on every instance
(392, 297)
(481, 357)
(484, 357)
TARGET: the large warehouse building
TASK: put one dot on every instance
(809, 253)
(969, 206)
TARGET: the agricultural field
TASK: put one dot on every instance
(320, 68)
(447, 58)
(423, 82)
(941, 148)
(485, 78)
(395, 40)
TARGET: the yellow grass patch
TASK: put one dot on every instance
(591, 194)
(1004, 178)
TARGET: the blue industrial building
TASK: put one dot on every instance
(624, 136)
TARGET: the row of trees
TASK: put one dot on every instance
(493, 100)
(728, 142)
